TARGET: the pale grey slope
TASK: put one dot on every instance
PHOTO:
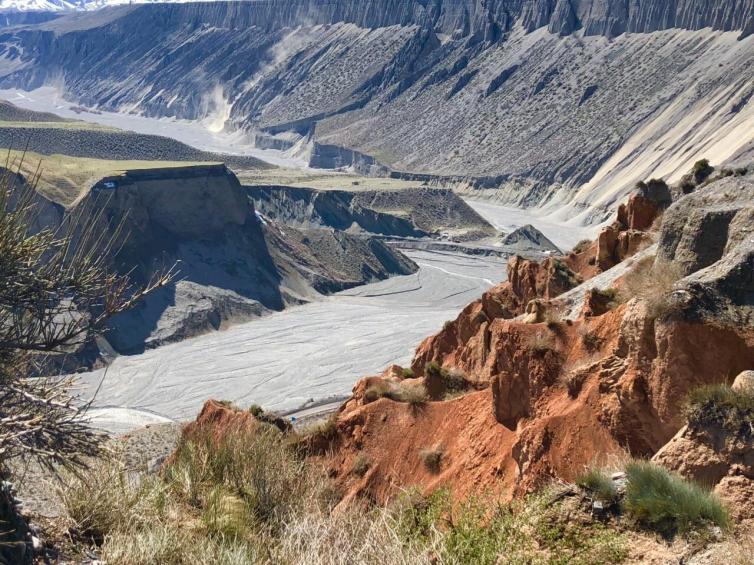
(528, 238)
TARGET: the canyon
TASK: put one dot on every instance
(557, 104)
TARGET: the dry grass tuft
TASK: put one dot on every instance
(652, 282)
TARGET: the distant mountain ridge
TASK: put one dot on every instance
(67, 6)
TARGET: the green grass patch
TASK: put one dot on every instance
(720, 406)
(599, 485)
(668, 504)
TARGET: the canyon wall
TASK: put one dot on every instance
(548, 102)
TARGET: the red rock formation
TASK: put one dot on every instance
(628, 234)
(557, 402)
(718, 458)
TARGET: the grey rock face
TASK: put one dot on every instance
(412, 212)
(710, 234)
(534, 98)
(528, 238)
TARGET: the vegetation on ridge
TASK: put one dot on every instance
(246, 497)
(721, 406)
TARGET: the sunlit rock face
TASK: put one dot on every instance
(548, 102)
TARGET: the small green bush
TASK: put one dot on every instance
(668, 504)
(702, 169)
(257, 411)
(720, 406)
(599, 485)
(407, 373)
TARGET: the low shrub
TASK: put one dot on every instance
(720, 406)
(653, 282)
(542, 344)
(591, 341)
(452, 379)
(701, 170)
(377, 390)
(414, 394)
(574, 382)
(257, 411)
(668, 504)
(582, 246)
(599, 485)
(326, 429)
(432, 458)
(407, 373)
(361, 464)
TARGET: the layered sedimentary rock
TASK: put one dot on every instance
(411, 212)
(549, 102)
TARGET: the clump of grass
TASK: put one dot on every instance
(326, 429)
(599, 485)
(414, 394)
(452, 379)
(609, 295)
(719, 405)
(486, 532)
(257, 411)
(574, 382)
(591, 341)
(541, 345)
(668, 504)
(361, 464)
(581, 246)
(407, 373)
(653, 282)
(376, 390)
(432, 458)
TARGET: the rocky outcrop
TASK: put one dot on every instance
(527, 239)
(717, 455)
(628, 234)
(553, 397)
(410, 212)
(230, 264)
(478, 94)
(708, 234)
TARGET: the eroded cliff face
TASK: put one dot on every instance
(230, 264)
(515, 402)
(506, 94)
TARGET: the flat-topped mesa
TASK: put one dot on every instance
(231, 263)
(186, 202)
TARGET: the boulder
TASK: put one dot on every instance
(744, 382)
